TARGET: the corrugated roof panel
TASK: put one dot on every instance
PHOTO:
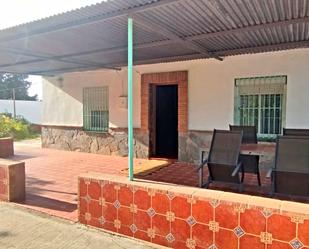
(170, 30)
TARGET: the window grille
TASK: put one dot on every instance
(95, 109)
(261, 102)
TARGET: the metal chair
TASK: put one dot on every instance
(290, 174)
(295, 132)
(223, 164)
(249, 162)
(249, 133)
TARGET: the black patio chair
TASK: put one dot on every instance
(249, 162)
(290, 174)
(295, 132)
(249, 133)
(223, 164)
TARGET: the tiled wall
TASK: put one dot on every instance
(6, 147)
(12, 180)
(3, 184)
(184, 217)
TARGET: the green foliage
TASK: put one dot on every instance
(17, 128)
(19, 83)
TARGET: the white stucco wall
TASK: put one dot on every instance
(211, 89)
(63, 105)
(30, 110)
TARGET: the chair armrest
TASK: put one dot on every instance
(202, 155)
(237, 169)
(269, 173)
(202, 164)
(202, 161)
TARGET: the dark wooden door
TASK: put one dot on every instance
(166, 121)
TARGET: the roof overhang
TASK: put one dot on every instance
(95, 37)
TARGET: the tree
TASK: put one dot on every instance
(19, 82)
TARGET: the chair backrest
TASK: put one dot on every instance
(292, 154)
(225, 147)
(249, 133)
(295, 132)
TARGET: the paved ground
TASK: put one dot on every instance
(23, 229)
(51, 176)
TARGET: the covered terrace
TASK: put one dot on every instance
(120, 34)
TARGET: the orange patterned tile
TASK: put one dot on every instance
(226, 216)
(226, 239)
(142, 220)
(160, 240)
(109, 212)
(82, 187)
(109, 192)
(125, 230)
(125, 216)
(141, 235)
(83, 206)
(94, 190)
(303, 232)
(179, 245)
(249, 241)
(3, 188)
(142, 200)
(278, 245)
(266, 238)
(202, 235)
(109, 226)
(94, 222)
(253, 221)
(161, 225)
(125, 196)
(81, 219)
(161, 203)
(180, 229)
(181, 207)
(202, 211)
(95, 209)
(281, 227)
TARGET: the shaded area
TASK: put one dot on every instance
(49, 203)
(5, 233)
(186, 174)
(52, 176)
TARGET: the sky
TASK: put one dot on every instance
(14, 12)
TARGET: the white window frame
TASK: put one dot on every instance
(267, 85)
(96, 100)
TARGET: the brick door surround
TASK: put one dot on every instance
(179, 78)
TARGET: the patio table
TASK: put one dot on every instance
(259, 149)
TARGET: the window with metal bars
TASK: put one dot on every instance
(261, 101)
(95, 109)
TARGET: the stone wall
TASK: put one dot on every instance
(192, 142)
(114, 142)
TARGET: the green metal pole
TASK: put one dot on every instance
(130, 97)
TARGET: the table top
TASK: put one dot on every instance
(258, 149)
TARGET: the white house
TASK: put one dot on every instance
(273, 87)
(198, 65)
